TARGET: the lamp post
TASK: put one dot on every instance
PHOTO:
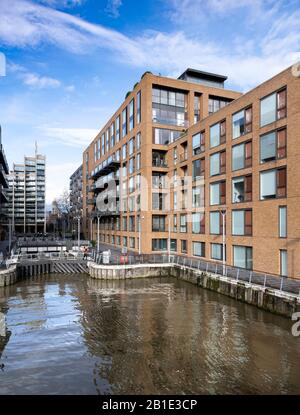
(98, 233)
(223, 212)
(78, 229)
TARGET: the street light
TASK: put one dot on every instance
(78, 227)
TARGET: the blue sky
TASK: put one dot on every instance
(71, 62)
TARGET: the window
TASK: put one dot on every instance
(169, 107)
(164, 137)
(138, 161)
(218, 163)
(107, 140)
(131, 184)
(183, 223)
(214, 223)
(124, 122)
(159, 159)
(242, 257)
(273, 146)
(158, 201)
(173, 246)
(183, 246)
(131, 223)
(175, 155)
(283, 263)
(158, 181)
(159, 244)
(273, 108)
(131, 146)
(124, 240)
(138, 107)
(242, 156)
(273, 184)
(124, 223)
(198, 223)
(242, 222)
(199, 249)
(242, 123)
(198, 197)
(218, 134)
(218, 193)
(242, 189)
(112, 135)
(196, 108)
(103, 144)
(216, 103)
(138, 141)
(124, 171)
(158, 223)
(131, 114)
(198, 143)
(198, 169)
(282, 221)
(131, 242)
(124, 151)
(216, 251)
(118, 129)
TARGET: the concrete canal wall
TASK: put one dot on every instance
(272, 300)
(8, 276)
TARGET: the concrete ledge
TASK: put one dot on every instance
(272, 300)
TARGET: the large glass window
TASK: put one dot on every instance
(242, 222)
(282, 221)
(158, 201)
(273, 184)
(169, 107)
(283, 263)
(131, 114)
(124, 151)
(131, 146)
(198, 169)
(199, 249)
(242, 189)
(214, 223)
(139, 108)
(118, 129)
(216, 103)
(218, 193)
(273, 146)
(217, 134)
(159, 244)
(183, 223)
(183, 246)
(218, 163)
(124, 122)
(242, 123)
(198, 223)
(198, 197)
(196, 108)
(138, 141)
(273, 107)
(158, 223)
(216, 251)
(241, 156)
(164, 136)
(242, 257)
(198, 143)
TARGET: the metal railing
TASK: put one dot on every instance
(284, 284)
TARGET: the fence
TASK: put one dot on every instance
(286, 284)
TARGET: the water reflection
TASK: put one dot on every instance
(71, 334)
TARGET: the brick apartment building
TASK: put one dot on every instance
(183, 157)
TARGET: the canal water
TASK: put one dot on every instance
(75, 335)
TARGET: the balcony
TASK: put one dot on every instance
(106, 167)
(158, 162)
(183, 157)
(3, 160)
(3, 178)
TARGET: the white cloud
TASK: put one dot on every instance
(27, 24)
(112, 8)
(32, 79)
(74, 137)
